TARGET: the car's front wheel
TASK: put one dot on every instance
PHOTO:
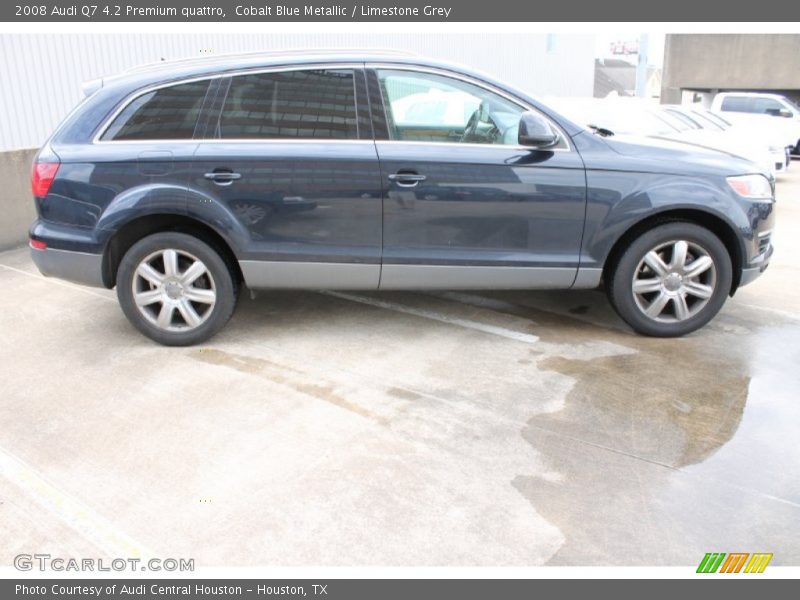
(671, 280)
(175, 288)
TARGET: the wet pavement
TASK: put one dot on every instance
(460, 428)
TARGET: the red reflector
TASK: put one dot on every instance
(38, 245)
(42, 176)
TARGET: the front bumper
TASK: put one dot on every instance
(756, 267)
(78, 267)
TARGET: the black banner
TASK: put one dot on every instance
(401, 10)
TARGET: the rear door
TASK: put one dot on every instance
(466, 206)
(290, 155)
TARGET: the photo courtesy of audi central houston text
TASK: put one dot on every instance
(333, 302)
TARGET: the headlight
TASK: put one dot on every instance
(751, 186)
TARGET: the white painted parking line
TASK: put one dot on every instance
(435, 316)
(95, 528)
(775, 311)
(480, 302)
(66, 284)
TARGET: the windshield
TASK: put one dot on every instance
(677, 122)
(686, 120)
(707, 122)
(723, 123)
(793, 103)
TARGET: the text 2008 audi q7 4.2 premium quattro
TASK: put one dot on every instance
(181, 182)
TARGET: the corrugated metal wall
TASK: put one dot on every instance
(40, 75)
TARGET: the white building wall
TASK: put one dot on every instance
(41, 75)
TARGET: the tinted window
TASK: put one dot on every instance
(737, 104)
(429, 107)
(168, 113)
(318, 104)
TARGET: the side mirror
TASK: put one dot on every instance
(535, 130)
(779, 112)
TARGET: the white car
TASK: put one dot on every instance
(740, 136)
(760, 109)
(636, 117)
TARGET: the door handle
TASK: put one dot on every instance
(406, 179)
(223, 177)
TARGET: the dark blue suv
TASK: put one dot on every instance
(178, 183)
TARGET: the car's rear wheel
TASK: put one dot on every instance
(175, 289)
(671, 280)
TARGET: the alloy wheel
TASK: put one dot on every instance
(174, 290)
(674, 281)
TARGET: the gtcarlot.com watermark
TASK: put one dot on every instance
(47, 562)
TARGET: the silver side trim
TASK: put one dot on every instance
(587, 278)
(348, 276)
(309, 275)
(504, 147)
(452, 277)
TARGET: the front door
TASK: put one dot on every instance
(290, 155)
(466, 206)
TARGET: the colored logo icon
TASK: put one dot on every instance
(734, 562)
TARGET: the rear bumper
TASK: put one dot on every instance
(78, 267)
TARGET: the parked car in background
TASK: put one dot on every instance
(180, 183)
(743, 136)
(634, 116)
(762, 105)
(771, 135)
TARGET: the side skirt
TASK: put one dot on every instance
(351, 276)
(291, 275)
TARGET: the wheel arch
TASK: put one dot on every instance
(136, 229)
(714, 223)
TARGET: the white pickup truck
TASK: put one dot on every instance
(773, 111)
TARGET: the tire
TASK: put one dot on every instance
(176, 289)
(637, 290)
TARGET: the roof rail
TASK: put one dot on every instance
(268, 53)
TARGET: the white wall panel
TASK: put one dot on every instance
(41, 75)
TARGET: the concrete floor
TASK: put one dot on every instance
(403, 429)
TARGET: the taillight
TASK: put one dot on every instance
(38, 244)
(42, 176)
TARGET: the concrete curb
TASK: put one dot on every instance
(16, 203)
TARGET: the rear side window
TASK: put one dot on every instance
(168, 113)
(737, 104)
(313, 104)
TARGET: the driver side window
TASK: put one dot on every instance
(426, 107)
